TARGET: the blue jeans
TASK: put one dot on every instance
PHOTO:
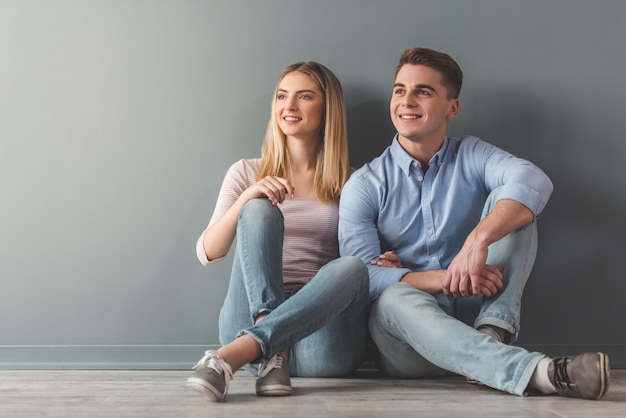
(423, 335)
(322, 326)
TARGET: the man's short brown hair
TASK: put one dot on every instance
(448, 67)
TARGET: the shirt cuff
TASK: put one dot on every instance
(204, 260)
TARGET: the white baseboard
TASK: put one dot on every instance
(103, 357)
(184, 357)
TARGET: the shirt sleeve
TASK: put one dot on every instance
(520, 179)
(204, 260)
(238, 178)
(358, 235)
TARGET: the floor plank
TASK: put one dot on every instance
(158, 394)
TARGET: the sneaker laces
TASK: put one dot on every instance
(215, 362)
(561, 378)
(276, 362)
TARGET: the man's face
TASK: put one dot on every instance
(420, 107)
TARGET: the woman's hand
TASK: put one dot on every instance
(387, 259)
(276, 189)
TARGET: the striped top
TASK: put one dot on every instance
(310, 226)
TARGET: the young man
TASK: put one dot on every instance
(461, 216)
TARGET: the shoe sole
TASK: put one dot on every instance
(205, 389)
(274, 390)
(474, 381)
(605, 374)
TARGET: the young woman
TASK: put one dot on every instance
(292, 305)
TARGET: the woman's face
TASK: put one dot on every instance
(299, 106)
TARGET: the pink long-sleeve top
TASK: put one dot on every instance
(310, 226)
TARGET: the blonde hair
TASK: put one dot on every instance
(333, 165)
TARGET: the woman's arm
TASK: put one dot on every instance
(237, 189)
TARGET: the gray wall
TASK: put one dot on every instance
(119, 118)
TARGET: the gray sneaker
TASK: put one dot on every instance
(211, 377)
(273, 377)
(583, 376)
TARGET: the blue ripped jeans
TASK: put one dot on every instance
(423, 335)
(322, 326)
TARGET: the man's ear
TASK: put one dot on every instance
(454, 108)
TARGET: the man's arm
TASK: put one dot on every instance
(430, 281)
(525, 190)
(468, 271)
(358, 234)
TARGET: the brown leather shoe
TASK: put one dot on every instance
(583, 376)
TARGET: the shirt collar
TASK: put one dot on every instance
(405, 161)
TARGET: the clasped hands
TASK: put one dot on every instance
(468, 274)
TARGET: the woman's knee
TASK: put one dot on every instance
(260, 208)
(346, 273)
(351, 268)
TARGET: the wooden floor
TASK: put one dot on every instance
(163, 394)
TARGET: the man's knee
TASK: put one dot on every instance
(491, 201)
(391, 305)
(399, 296)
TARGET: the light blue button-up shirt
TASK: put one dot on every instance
(390, 204)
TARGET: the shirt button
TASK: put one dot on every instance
(430, 232)
(420, 178)
(433, 259)
(426, 200)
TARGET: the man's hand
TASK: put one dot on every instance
(469, 275)
(387, 259)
